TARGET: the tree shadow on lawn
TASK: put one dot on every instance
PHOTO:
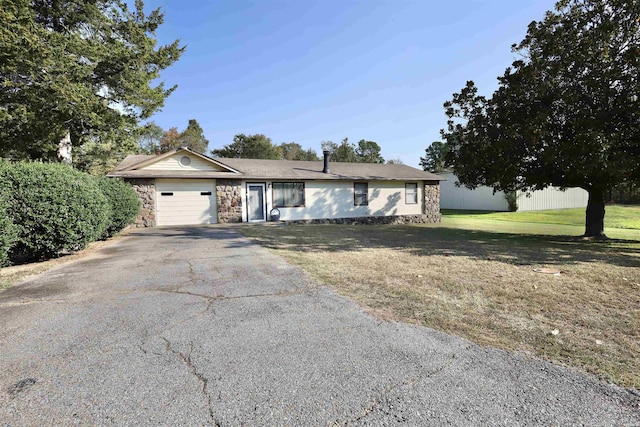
(512, 248)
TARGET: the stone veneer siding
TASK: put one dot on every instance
(431, 202)
(146, 189)
(394, 219)
(229, 200)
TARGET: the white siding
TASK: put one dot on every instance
(481, 199)
(186, 205)
(334, 199)
(553, 198)
(173, 163)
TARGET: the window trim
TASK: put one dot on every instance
(406, 193)
(273, 194)
(366, 194)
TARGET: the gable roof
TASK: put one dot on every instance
(312, 170)
(131, 167)
(132, 160)
(139, 161)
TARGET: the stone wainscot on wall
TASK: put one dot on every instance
(146, 189)
(431, 202)
(229, 200)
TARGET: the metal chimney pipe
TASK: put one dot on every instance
(326, 153)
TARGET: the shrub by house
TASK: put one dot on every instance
(54, 208)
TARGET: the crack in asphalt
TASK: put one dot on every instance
(213, 298)
(377, 400)
(192, 276)
(191, 279)
(142, 349)
(33, 301)
(186, 359)
(209, 301)
(206, 308)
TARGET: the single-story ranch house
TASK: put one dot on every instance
(184, 187)
(484, 199)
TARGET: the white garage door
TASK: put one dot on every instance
(185, 201)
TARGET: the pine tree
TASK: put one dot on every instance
(75, 70)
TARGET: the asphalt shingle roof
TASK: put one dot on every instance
(132, 160)
(294, 169)
(280, 169)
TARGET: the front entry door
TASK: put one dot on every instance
(256, 208)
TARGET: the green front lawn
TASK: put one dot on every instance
(621, 222)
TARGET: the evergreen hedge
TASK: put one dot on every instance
(54, 207)
(8, 233)
(124, 202)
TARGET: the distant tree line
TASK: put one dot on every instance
(259, 146)
(154, 140)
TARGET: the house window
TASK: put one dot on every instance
(360, 191)
(411, 193)
(288, 194)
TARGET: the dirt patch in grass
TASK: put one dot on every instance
(483, 286)
(10, 276)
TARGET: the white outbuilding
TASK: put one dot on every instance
(484, 199)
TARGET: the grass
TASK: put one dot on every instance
(12, 275)
(616, 217)
(481, 284)
(621, 222)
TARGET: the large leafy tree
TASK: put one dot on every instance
(434, 157)
(368, 152)
(396, 161)
(191, 137)
(149, 138)
(170, 140)
(294, 151)
(343, 152)
(260, 147)
(364, 152)
(71, 71)
(566, 114)
(256, 146)
(102, 151)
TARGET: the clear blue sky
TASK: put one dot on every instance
(308, 71)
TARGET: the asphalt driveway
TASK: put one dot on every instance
(198, 326)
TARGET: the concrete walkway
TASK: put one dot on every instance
(198, 326)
